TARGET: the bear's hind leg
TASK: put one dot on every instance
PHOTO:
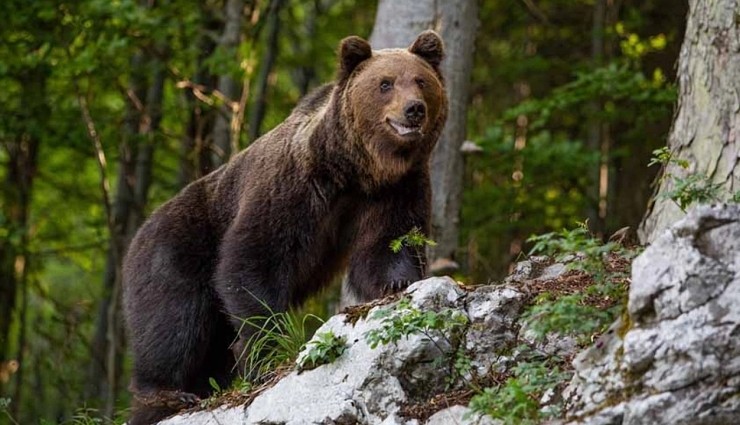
(171, 343)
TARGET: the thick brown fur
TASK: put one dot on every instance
(326, 190)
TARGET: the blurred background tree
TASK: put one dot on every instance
(109, 107)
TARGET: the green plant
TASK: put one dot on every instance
(324, 348)
(276, 339)
(216, 388)
(517, 400)
(570, 313)
(694, 188)
(405, 320)
(86, 416)
(579, 240)
(567, 315)
(242, 385)
(91, 416)
(461, 366)
(413, 239)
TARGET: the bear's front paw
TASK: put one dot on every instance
(396, 285)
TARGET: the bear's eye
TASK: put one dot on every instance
(385, 85)
(421, 83)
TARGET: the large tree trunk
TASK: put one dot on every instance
(397, 24)
(707, 123)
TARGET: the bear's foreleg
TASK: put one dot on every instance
(374, 269)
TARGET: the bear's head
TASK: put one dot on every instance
(394, 103)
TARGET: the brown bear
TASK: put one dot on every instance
(327, 190)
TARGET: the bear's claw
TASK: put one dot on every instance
(397, 285)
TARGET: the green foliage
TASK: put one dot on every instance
(549, 95)
(514, 192)
(664, 156)
(86, 416)
(324, 348)
(568, 242)
(413, 239)
(276, 339)
(91, 416)
(616, 82)
(634, 47)
(694, 188)
(567, 315)
(516, 401)
(214, 385)
(242, 385)
(571, 314)
(462, 366)
(404, 320)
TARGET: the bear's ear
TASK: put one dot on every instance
(353, 50)
(429, 46)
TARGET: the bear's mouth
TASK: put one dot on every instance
(403, 129)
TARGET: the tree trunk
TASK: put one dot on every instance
(595, 137)
(304, 74)
(257, 113)
(227, 86)
(121, 210)
(16, 206)
(397, 24)
(149, 136)
(195, 161)
(707, 124)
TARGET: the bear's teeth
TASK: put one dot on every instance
(402, 129)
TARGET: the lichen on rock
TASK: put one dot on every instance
(677, 358)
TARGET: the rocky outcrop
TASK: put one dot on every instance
(674, 357)
(377, 385)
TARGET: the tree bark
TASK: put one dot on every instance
(230, 88)
(304, 74)
(195, 160)
(149, 137)
(123, 201)
(596, 127)
(16, 207)
(257, 113)
(707, 123)
(397, 24)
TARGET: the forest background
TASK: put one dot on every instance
(109, 107)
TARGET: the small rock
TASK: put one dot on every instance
(460, 415)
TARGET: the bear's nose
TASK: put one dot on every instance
(415, 111)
